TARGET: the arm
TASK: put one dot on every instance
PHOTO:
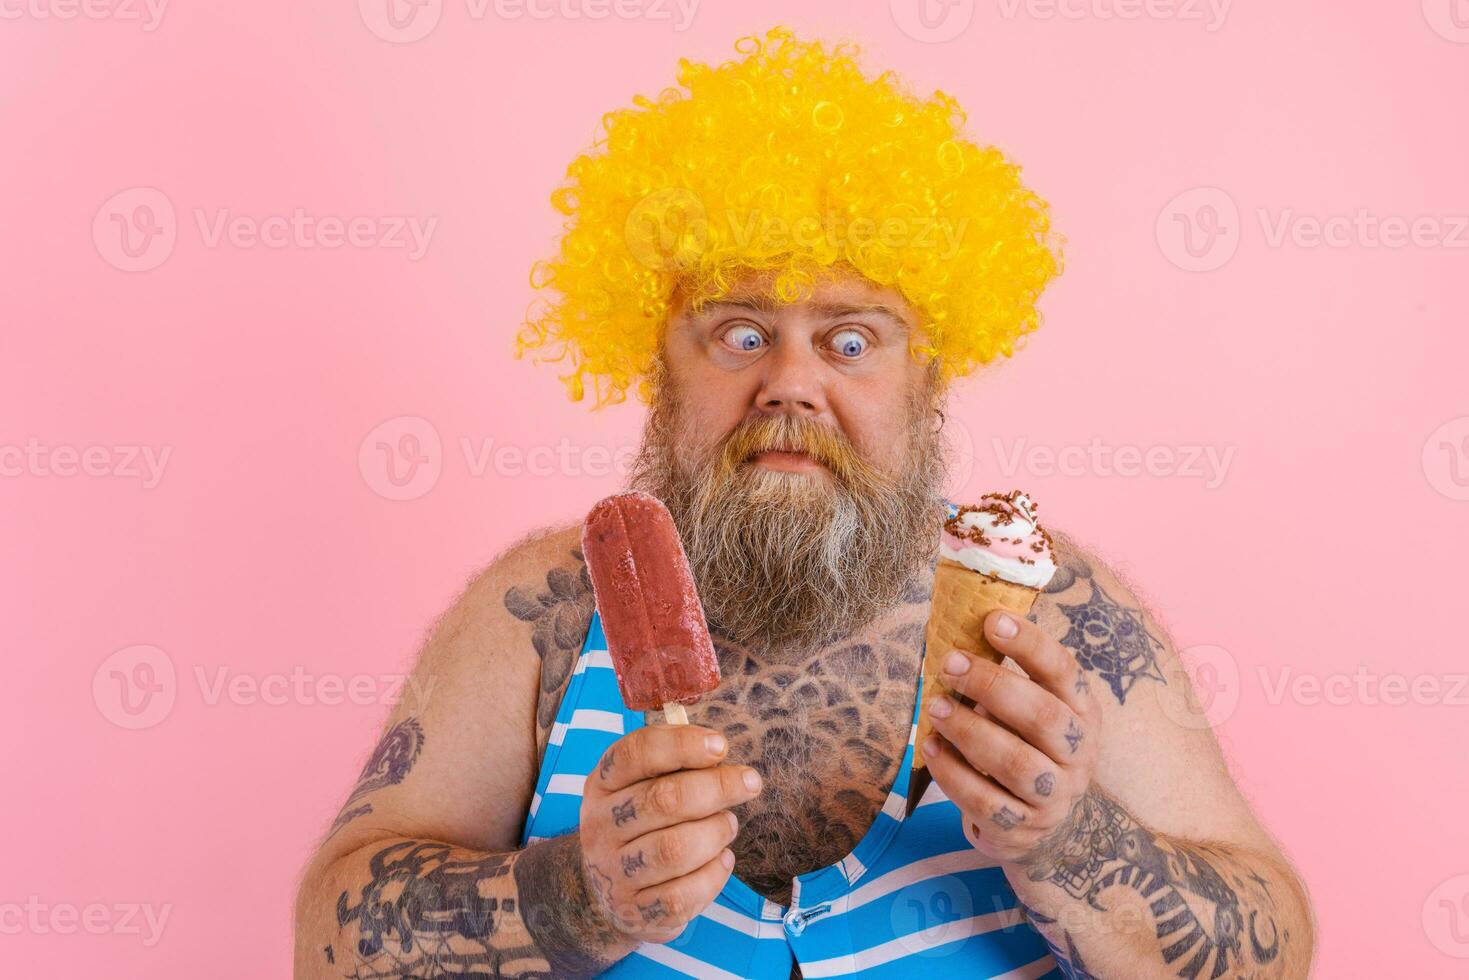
(421, 875)
(1120, 831)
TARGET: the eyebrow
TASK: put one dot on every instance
(829, 311)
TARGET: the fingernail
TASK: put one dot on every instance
(726, 858)
(734, 822)
(715, 744)
(941, 707)
(956, 663)
(931, 747)
(752, 780)
(1005, 627)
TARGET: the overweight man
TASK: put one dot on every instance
(791, 263)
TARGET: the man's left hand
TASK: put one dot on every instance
(1017, 761)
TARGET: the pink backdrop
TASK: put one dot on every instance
(1250, 394)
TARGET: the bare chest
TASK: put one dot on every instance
(828, 736)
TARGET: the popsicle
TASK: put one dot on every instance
(650, 609)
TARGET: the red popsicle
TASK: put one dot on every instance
(650, 610)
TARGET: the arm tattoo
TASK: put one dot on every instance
(559, 615)
(1109, 638)
(387, 766)
(431, 910)
(1201, 919)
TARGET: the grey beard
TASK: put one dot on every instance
(786, 563)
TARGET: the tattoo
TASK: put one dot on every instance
(560, 614)
(654, 912)
(432, 910)
(1082, 684)
(1111, 640)
(330, 956)
(388, 765)
(827, 730)
(1007, 819)
(1073, 735)
(623, 813)
(1200, 917)
(604, 768)
(1045, 783)
(631, 863)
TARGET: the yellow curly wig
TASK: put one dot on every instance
(788, 161)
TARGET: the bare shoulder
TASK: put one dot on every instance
(1117, 639)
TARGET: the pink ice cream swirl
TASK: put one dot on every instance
(1000, 537)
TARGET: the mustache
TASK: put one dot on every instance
(826, 444)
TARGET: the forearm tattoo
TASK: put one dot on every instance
(432, 910)
(1205, 925)
(388, 765)
(1109, 638)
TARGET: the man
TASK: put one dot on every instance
(522, 822)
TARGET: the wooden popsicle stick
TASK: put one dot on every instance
(674, 713)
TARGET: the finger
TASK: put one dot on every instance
(679, 797)
(672, 852)
(654, 750)
(672, 904)
(995, 751)
(978, 796)
(1039, 654)
(1018, 703)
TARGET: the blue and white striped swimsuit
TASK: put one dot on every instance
(914, 895)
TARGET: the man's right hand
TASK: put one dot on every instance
(656, 825)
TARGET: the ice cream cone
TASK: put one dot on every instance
(993, 555)
(961, 600)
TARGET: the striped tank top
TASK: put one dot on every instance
(913, 896)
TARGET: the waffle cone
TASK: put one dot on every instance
(962, 598)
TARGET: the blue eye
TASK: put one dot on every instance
(743, 337)
(849, 343)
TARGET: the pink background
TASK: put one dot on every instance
(1331, 546)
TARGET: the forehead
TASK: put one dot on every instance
(838, 290)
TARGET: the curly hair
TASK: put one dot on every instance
(789, 162)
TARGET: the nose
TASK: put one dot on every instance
(793, 382)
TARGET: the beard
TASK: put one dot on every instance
(788, 562)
